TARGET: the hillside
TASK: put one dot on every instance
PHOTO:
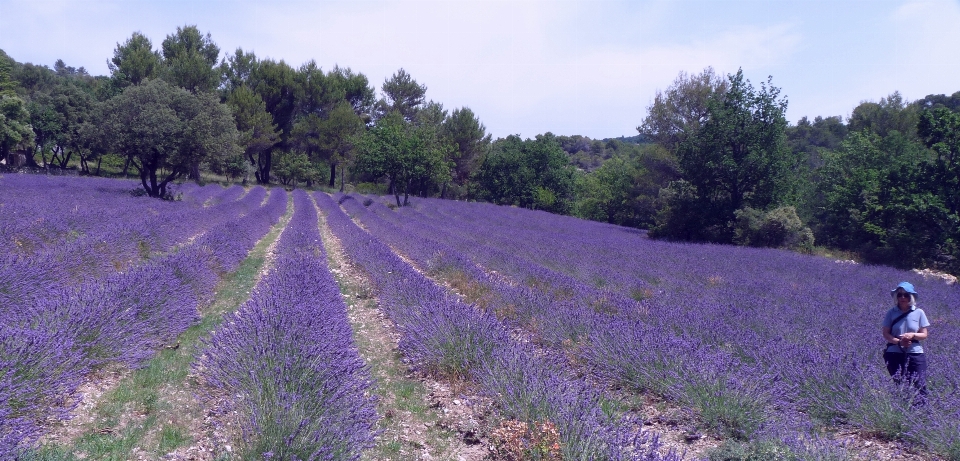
(445, 329)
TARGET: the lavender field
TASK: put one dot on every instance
(759, 345)
(563, 324)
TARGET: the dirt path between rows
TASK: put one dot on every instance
(420, 418)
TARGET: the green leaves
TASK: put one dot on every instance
(161, 127)
(406, 154)
(134, 61)
(532, 173)
(190, 60)
(736, 159)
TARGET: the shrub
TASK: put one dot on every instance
(777, 228)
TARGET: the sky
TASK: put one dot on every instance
(526, 67)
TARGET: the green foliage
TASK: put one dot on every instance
(292, 168)
(737, 159)
(609, 194)
(625, 189)
(939, 130)
(15, 129)
(777, 228)
(134, 62)
(403, 153)
(7, 83)
(164, 129)
(682, 109)
(532, 173)
(354, 88)
(890, 114)
(63, 120)
(190, 60)
(401, 94)
(257, 132)
(882, 198)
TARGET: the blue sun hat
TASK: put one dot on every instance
(907, 286)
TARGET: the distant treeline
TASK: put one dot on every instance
(714, 160)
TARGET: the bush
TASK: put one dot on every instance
(777, 228)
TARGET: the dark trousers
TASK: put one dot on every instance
(909, 366)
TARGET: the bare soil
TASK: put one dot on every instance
(448, 422)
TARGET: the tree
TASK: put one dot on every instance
(682, 109)
(276, 83)
(892, 113)
(880, 200)
(939, 128)
(15, 129)
(355, 89)
(134, 61)
(464, 130)
(237, 70)
(608, 194)
(164, 130)
(932, 101)
(257, 132)
(532, 173)
(404, 153)
(737, 159)
(190, 60)
(57, 118)
(401, 94)
(294, 167)
(338, 133)
(8, 84)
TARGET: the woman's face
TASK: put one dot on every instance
(903, 299)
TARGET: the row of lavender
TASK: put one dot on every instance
(559, 313)
(64, 231)
(443, 335)
(288, 359)
(778, 335)
(49, 343)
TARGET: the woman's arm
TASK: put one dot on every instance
(920, 334)
(889, 337)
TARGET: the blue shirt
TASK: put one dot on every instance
(912, 323)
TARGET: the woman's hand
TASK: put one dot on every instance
(906, 340)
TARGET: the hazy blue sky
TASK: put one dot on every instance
(526, 67)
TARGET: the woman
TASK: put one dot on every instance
(904, 327)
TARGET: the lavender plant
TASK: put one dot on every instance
(51, 338)
(527, 384)
(693, 291)
(288, 356)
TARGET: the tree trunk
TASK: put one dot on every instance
(333, 175)
(31, 161)
(393, 190)
(341, 180)
(126, 166)
(263, 175)
(195, 172)
(99, 159)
